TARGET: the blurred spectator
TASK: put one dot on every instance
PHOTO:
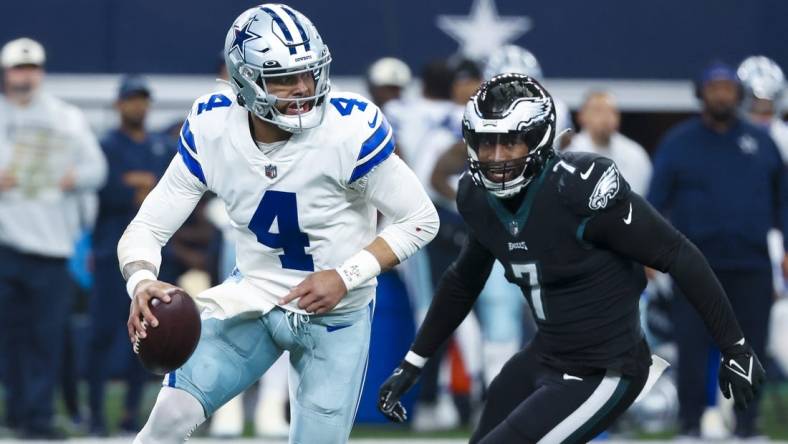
(764, 83)
(48, 157)
(386, 78)
(412, 117)
(136, 160)
(599, 120)
(722, 183)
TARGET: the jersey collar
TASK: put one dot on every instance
(514, 223)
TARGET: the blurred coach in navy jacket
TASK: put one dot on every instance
(721, 182)
(136, 160)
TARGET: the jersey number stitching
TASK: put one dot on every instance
(215, 101)
(528, 274)
(282, 207)
(345, 106)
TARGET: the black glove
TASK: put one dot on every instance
(741, 374)
(400, 381)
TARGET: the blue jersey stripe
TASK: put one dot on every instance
(187, 135)
(298, 25)
(361, 170)
(191, 163)
(375, 139)
(171, 379)
(282, 26)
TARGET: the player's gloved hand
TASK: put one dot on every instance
(741, 374)
(400, 381)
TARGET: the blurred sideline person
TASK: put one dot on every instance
(764, 86)
(386, 79)
(721, 181)
(599, 120)
(302, 170)
(48, 158)
(136, 158)
(436, 409)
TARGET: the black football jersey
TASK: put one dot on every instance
(584, 299)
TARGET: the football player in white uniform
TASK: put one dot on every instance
(302, 171)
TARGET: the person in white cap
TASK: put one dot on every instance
(386, 79)
(49, 160)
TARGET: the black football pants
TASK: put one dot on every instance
(528, 402)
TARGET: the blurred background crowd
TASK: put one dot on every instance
(690, 105)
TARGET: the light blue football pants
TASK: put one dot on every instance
(328, 361)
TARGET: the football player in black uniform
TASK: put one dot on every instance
(569, 231)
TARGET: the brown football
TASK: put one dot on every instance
(168, 346)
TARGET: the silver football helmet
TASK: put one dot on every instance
(272, 41)
(762, 77)
(513, 58)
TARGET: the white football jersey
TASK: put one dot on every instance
(299, 208)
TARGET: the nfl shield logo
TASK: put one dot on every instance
(270, 171)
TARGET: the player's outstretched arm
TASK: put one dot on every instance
(636, 230)
(457, 291)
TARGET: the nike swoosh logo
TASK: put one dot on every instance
(585, 175)
(628, 219)
(374, 120)
(568, 377)
(739, 370)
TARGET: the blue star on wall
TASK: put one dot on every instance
(242, 36)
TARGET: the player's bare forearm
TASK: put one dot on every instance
(383, 253)
(133, 267)
(450, 163)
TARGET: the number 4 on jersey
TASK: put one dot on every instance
(281, 207)
(345, 106)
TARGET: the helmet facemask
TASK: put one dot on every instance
(521, 119)
(264, 103)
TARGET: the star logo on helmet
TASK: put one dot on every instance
(242, 36)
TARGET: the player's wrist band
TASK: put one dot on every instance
(137, 277)
(415, 360)
(358, 269)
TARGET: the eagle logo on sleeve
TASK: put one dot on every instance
(606, 188)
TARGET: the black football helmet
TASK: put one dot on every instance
(509, 108)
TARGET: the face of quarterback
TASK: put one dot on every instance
(292, 87)
(503, 155)
(720, 99)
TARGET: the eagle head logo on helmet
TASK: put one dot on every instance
(270, 43)
(509, 109)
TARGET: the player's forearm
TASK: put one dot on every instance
(450, 163)
(457, 291)
(452, 302)
(397, 193)
(700, 286)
